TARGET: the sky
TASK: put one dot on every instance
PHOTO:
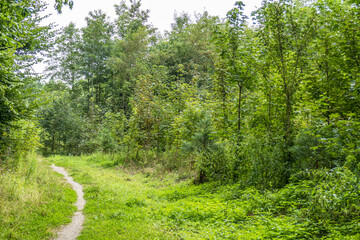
(161, 11)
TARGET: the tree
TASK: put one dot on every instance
(130, 18)
(188, 51)
(286, 30)
(64, 59)
(129, 53)
(95, 51)
(60, 3)
(21, 38)
(127, 63)
(237, 52)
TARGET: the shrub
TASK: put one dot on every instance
(261, 163)
(330, 194)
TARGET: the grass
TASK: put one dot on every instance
(154, 203)
(129, 204)
(34, 201)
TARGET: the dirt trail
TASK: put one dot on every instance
(72, 230)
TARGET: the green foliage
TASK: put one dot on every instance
(63, 129)
(260, 163)
(20, 38)
(212, 159)
(330, 194)
(131, 18)
(113, 132)
(310, 153)
(95, 48)
(286, 31)
(63, 60)
(234, 102)
(188, 52)
(20, 141)
(60, 3)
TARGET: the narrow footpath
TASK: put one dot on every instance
(72, 230)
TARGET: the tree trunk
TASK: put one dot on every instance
(53, 143)
(269, 113)
(239, 108)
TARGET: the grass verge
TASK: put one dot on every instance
(34, 201)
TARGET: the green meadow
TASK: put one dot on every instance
(131, 203)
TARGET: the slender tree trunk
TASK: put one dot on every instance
(88, 102)
(224, 105)
(123, 101)
(99, 93)
(328, 83)
(92, 87)
(288, 118)
(269, 112)
(91, 99)
(53, 144)
(239, 108)
(269, 94)
(158, 140)
(287, 90)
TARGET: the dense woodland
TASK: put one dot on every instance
(250, 100)
(261, 102)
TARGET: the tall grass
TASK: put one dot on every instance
(34, 201)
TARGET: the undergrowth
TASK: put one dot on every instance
(125, 204)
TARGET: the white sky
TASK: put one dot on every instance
(161, 11)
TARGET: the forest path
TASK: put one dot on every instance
(72, 230)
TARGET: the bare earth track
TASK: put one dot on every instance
(72, 230)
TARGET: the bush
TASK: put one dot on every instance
(21, 140)
(261, 163)
(329, 194)
(311, 150)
